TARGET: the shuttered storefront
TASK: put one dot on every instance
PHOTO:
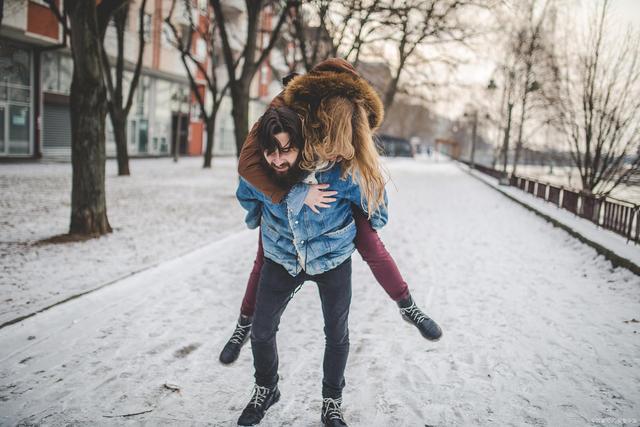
(56, 131)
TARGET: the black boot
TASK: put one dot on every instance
(231, 350)
(262, 399)
(332, 413)
(412, 314)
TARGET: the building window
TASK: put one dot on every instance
(201, 49)
(132, 133)
(15, 99)
(146, 27)
(164, 147)
(168, 38)
(2, 128)
(142, 96)
(19, 129)
(57, 70)
(15, 67)
(196, 112)
(110, 136)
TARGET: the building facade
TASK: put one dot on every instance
(36, 72)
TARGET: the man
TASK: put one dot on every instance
(297, 248)
(330, 78)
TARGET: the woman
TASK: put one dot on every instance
(340, 111)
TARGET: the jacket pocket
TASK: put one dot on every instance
(336, 239)
(270, 232)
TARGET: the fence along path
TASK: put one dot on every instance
(619, 216)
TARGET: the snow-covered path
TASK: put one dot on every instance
(536, 327)
(162, 210)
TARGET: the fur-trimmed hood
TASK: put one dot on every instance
(333, 77)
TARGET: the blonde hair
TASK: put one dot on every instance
(340, 128)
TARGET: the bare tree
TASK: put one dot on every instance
(355, 27)
(528, 47)
(248, 61)
(416, 24)
(184, 44)
(364, 27)
(596, 103)
(324, 28)
(505, 76)
(507, 112)
(313, 43)
(117, 106)
(86, 23)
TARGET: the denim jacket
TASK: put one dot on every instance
(299, 239)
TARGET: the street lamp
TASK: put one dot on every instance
(178, 99)
(474, 130)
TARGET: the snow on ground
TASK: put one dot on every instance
(614, 242)
(536, 327)
(162, 210)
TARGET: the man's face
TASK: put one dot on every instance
(283, 159)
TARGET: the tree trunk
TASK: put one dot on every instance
(211, 127)
(391, 91)
(516, 158)
(507, 133)
(88, 114)
(178, 136)
(119, 123)
(390, 94)
(474, 134)
(240, 113)
(118, 112)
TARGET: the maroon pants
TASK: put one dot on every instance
(371, 249)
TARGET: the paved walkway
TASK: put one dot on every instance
(538, 330)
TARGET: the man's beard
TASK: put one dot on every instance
(287, 179)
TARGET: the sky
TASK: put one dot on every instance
(475, 75)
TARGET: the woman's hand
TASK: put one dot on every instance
(319, 197)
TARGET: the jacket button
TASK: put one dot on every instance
(296, 222)
(301, 241)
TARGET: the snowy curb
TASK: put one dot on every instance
(612, 246)
(119, 279)
(132, 289)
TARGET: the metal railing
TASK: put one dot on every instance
(619, 216)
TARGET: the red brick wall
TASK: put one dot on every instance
(156, 32)
(195, 146)
(264, 80)
(196, 126)
(40, 20)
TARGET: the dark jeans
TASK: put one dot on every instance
(371, 249)
(275, 290)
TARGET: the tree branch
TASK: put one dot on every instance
(138, 69)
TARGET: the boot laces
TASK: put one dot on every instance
(331, 408)
(240, 333)
(259, 394)
(414, 313)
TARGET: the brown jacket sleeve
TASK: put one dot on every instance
(251, 167)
